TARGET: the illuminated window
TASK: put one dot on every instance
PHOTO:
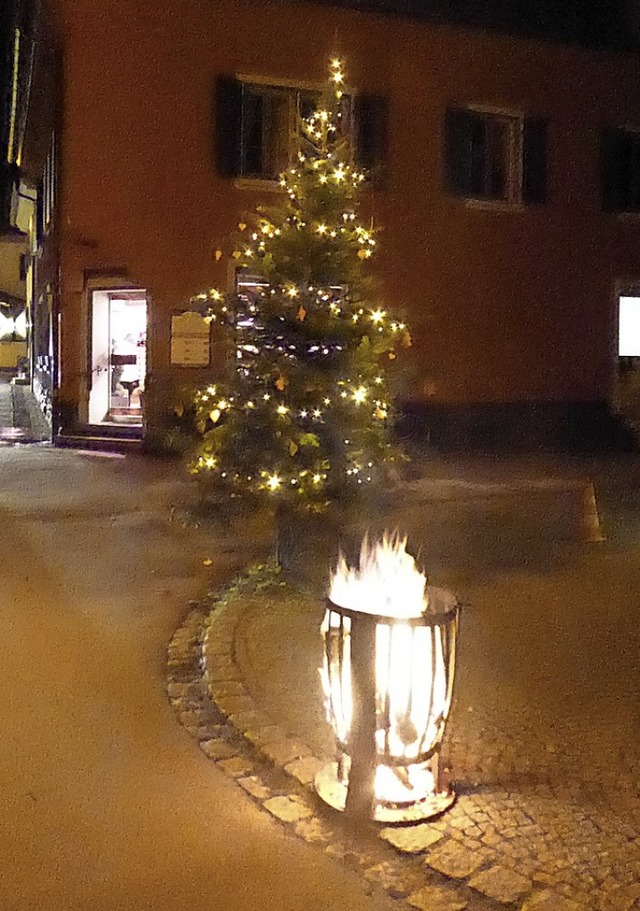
(250, 331)
(620, 160)
(629, 326)
(495, 157)
(256, 331)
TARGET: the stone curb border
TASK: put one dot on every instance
(428, 867)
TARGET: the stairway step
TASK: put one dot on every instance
(104, 443)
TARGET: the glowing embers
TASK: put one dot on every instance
(389, 658)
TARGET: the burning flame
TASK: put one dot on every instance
(387, 581)
(410, 672)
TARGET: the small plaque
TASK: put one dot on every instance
(190, 340)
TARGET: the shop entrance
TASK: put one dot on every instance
(118, 356)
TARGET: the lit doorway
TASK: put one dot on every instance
(118, 356)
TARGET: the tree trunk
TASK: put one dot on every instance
(307, 544)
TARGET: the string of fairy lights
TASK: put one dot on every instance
(294, 335)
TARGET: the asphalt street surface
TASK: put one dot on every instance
(105, 802)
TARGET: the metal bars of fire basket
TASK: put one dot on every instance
(361, 744)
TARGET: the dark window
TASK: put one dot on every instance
(370, 124)
(49, 184)
(39, 215)
(620, 161)
(258, 128)
(46, 196)
(495, 156)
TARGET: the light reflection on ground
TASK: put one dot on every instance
(11, 434)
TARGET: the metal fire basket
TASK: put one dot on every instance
(388, 688)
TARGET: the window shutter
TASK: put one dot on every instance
(228, 121)
(371, 119)
(612, 169)
(458, 126)
(632, 173)
(534, 160)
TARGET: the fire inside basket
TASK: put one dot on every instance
(389, 658)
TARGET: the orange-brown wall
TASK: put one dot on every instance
(505, 305)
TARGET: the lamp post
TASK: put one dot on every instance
(388, 670)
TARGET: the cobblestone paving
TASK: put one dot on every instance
(277, 771)
(548, 809)
(533, 844)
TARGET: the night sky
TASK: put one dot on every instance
(591, 22)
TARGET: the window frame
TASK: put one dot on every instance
(45, 207)
(49, 186)
(294, 93)
(367, 124)
(514, 197)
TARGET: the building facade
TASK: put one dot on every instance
(13, 324)
(506, 183)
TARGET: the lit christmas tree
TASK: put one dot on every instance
(304, 415)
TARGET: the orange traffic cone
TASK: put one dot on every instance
(590, 527)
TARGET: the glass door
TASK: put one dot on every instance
(118, 356)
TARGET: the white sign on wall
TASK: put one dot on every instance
(190, 340)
